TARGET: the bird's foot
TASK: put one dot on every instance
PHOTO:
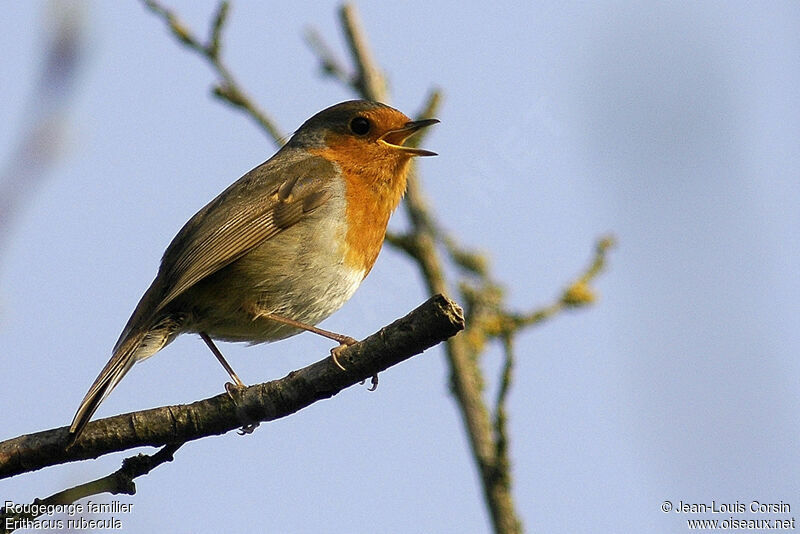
(344, 342)
(373, 382)
(235, 392)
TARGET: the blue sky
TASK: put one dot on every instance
(675, 126)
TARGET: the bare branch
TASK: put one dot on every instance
(506, 378)
(41, 141)
(435, 320)
(502, 470)
(227, 89)
(369, 79)
(328, 62)
(216, 29)
(120, 481)
(578, 294)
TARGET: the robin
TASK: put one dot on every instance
(279, 250)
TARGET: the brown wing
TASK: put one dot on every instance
(263, 202)
(209, 244)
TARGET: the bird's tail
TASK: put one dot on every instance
(125, 355)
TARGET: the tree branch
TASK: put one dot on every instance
(329, 64)
(42, 138)
(228, 89)
(369, 81)
(435, 320)
(120, 481)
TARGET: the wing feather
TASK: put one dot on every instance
(219, 250)
(218, 236)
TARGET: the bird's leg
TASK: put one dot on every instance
(344, 341)
(205, 337)
(233, 390)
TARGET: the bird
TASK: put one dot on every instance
(280, 249)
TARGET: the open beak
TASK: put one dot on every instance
(395, 138)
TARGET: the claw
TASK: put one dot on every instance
(234, 391)
(335, 351)
(373, 381)
(247, 429)
(344, 342)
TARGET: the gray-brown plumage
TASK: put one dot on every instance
(293, 238)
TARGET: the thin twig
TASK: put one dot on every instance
(120, 481)
(578, 294)
(227, 89)
(215, 41)
(41, 141)
(329, 63)
(370, 81)
(501, 439)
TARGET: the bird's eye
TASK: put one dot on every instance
(360, 125)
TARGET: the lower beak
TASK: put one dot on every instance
(395, 138)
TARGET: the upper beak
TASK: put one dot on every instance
(395, 138)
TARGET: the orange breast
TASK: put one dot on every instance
(375, 181)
